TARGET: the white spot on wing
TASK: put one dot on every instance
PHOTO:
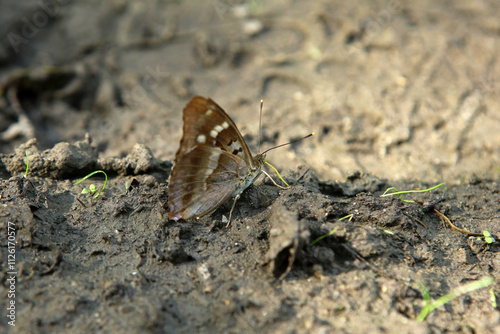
(201, 139)
(218, 128)
(208, 112)
(225, 125)
(213, 134)
(213, 160)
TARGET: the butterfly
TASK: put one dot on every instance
(212, 164)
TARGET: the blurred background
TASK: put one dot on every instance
(398, 89)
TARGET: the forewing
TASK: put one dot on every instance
(205, 123)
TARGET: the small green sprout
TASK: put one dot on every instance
(386, 231)
(92, 189)
(348, 216)
(27, 164)
(425, 293)
(431, 306)
(396, 192)
(488, 238)
(331, 232)
(324, 236)
(127, 185)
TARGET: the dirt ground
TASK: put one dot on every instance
(400, 93)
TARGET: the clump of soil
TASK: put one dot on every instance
(116, 263)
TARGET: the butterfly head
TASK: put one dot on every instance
(260, 158)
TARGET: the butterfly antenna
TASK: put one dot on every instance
(260, 121)
(293, 141)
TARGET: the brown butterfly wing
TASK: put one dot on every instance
(204, 117)
(211, 163)
(202, 180)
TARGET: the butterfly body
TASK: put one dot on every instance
(212, 164)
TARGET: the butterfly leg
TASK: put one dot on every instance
(237, 197)
(277, 185)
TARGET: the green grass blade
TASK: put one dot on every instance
(482, 283)
(27, 164)
(399, 193)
